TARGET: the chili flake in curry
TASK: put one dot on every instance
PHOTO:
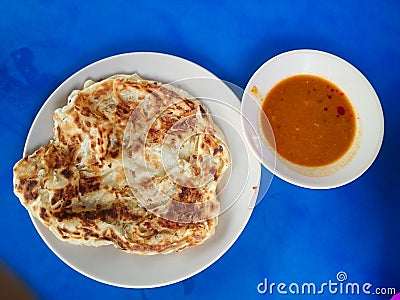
(313, 121)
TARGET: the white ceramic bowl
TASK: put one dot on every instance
(369, 116)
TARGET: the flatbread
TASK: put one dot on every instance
(91, 186)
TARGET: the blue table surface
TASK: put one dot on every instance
(295, 235)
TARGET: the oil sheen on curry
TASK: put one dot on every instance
(313, 121)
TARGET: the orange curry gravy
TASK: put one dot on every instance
(313, 121)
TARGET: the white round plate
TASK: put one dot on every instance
(370, 120)
(115, 267)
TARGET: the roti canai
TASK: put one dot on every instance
(133, 163)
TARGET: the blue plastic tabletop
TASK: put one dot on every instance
(295, 235)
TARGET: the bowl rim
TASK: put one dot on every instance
(379, 122)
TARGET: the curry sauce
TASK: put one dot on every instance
(313, 121)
